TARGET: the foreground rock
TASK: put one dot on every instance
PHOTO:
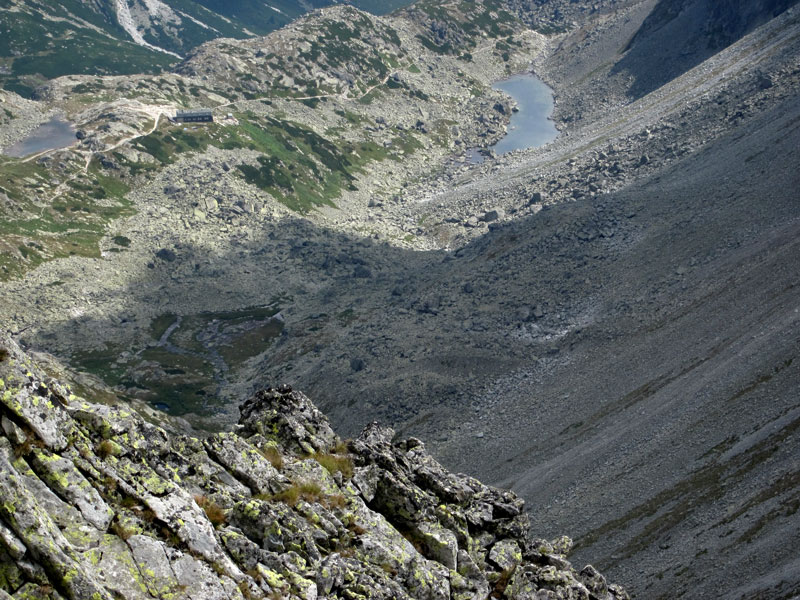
(99, 503)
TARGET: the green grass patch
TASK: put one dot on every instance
(335, 463)
(181, 376)
(370, 96)
(214, 511)
(298, 167)
(351, 117)
(160, 324)
(100, 363)
(251, 341)
(168, 142)
(273, 455)
(43, 221)
(307, 491)
(301, 168)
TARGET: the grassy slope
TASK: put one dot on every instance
(298, 167)
(42, 221)
(61, 48)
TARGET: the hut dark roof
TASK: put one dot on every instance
(200, 112)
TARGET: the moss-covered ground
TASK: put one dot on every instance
(44, 218)
(181, 372)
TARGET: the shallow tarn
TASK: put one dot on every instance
(531, 125)
(55, 133)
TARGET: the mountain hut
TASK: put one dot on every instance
(203, 115)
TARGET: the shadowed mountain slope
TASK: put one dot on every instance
(680, 34)
(607, 324)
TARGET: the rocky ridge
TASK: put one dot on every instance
(99, 503)
(121, 37)
(632, 287)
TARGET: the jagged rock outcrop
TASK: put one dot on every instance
(99, 503)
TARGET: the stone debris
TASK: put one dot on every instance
(98, 503)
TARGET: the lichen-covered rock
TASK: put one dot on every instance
(594, 581)
(152, 562)
(20, 511)
(115, 563)
(97, 503)
(289, 418)
(30, 402)
(437, 542)
(243, 461)
(505, 554)
(64, 478)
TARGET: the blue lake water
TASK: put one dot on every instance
(56, 133)
(531, 126)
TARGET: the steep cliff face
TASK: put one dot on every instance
(676, 36)
(99, 503)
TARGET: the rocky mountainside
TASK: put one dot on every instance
(607, 324)
(99, 503)
(679, 35)
(373, 111)
(613, 60)
(45, 39)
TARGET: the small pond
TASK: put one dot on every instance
(531, 126)
(56, 133)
